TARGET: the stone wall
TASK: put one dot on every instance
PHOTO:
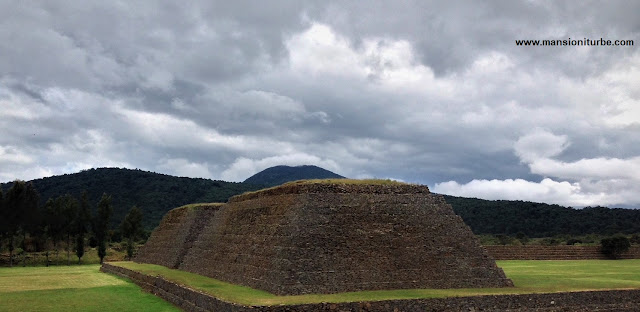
(327, 238)
(192, 300)
(170, 241)
(562, 252)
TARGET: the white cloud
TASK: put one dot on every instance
(387, 63)
(18, 108)
(13, 173)
(73, 154)
(258, 103)
(169, 131)
(11, 155)
(547, 190)
(622, 89)
(540, 144)
(319, 50)
(185, 168)
(593, 168)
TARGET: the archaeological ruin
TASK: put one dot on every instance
(326, 237)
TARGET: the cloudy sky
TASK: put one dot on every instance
(436, 93)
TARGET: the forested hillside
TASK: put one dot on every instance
(542, 220)
(153, 193)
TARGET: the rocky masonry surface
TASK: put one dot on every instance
(534, 252)
(170, 241)
(327, 238)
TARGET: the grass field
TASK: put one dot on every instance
(72, 288)
(84, 288)
(528, 277)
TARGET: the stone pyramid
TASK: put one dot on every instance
(326, 236)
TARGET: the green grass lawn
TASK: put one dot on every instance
(84, 288)
(578, 275)
(72, 288)
(528, 277)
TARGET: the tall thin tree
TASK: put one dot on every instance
(3, 219)
(30, 217)
(69, 212)
(55, 223)
(46, 225)
(14, 206)
(82, 220)
(101, 224)
(131, 228)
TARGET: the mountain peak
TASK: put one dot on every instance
(281, 174)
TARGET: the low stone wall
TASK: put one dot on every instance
(192, 300)
(562, 252)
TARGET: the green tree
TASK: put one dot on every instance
(504, 239)
(573, 241)
(46, 226)
(54, 222)
(21, 215)
(3, 220)
(81, 224)
(522, 238)
(14, 207)
(615, 246)
(101, 225)
(131, 228)
(69, 210)
(30, 222)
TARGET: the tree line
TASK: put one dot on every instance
(26, 224)
(153, 193)
(510, 217)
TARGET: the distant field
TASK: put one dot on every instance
(568, 275)
(528, 276)
(60, 258)
(72, 288)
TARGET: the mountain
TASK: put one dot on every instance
(281, 174)
(153, 193)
